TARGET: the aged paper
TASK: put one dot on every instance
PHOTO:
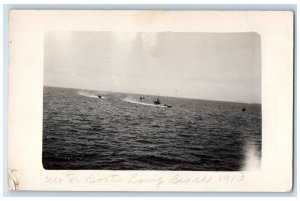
(28, 31)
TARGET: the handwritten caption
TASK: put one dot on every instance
(139, 178)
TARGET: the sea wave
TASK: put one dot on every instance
(83, 133)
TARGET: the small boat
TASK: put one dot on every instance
(99, 96)
(157, 102)
(142, 98)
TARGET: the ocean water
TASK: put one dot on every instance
(120, 132)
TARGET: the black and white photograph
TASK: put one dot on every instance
(178, 101)
(150, 100)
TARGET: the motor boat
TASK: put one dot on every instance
(157, 102)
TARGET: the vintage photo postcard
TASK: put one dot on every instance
(150, 101)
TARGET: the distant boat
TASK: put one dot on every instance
(157, 102)
(99, 96)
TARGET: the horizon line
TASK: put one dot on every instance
(155, 95)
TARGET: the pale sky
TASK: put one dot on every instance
(212, 66)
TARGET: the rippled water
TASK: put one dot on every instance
(119, 132)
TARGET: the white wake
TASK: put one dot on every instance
(131, 100)
(90, 95)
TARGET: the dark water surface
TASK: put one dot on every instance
(81, 131)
